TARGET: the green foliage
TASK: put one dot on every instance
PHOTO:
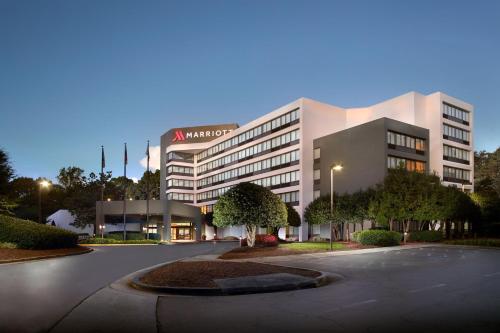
(71, 177)
(312, 246)
(30, 235)
(379, 237)
(250, 205)
(6, 172)
(293, 217)
(116, 241)
(130, 235)
(355, 236)
(487, 171)
(426, 236)
(318, 211)
(6, 245)
(140, 189)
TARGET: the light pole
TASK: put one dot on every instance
(41, 184)
(102, 227)
(333, 168)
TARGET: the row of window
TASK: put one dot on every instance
(456, 133)
(289, 197)
(283, 179)
(285, 119)
(456, 153)
(276, 181)
(250, 151)
(180, 169)
(180, 196)
(405, 141)
(394, 162)
(173, 182)
(452, 174)
(212, 194)
(251, 168)
(455, 112)
(179, 156)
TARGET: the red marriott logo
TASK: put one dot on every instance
(179, 136)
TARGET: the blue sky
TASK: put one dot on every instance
(78, 74)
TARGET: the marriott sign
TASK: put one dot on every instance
(198, 134)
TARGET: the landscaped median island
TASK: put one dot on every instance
(215, 277)
(26, 240)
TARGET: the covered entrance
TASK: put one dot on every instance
(182, 231)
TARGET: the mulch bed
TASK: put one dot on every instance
(255, 252)
(8, 255)
(200, 274)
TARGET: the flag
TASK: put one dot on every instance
(147, 151)
(125, 160)
(103, 159)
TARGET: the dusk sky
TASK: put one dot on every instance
(75, 75)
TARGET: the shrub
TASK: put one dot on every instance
(426, 236)
(117, 241)
(379, 237)
(30, 235)
(355, 236)
(8, 246)
(230, 238)
(318, 238)
(262, 241)
(131, 235)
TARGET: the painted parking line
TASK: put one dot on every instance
(428, 288)
(491, 274)
(360, 303)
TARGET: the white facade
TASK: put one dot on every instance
(246, 154)
(64, 219)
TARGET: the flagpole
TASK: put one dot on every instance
(147, 194)
(103, 165)
(125, 194)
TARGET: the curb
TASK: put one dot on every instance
(319, 281)
(88, 250)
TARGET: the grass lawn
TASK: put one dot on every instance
(315, 246)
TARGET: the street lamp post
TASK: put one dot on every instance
(102, 227)
(41, 184)
(333, 168)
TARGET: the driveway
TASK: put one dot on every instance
(36, 295)
(433, 289)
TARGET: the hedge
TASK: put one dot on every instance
(30, 235)
(131, 235)
(426, 236)
(117, 241)
(378, 237)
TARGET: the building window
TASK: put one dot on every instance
(394, 162)
(317, 153)
(290, 197)
(456, 134)
(407, 142)
(316, 194)
(455, 154)
(274, 125)
(317, 174)
(456, 114)
(179, 156)
(181, 170)
(456, 175)
(180, 196)
(180, 183)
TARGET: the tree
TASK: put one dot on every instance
(70, 177)
(140, 189)
(487, 168)
(81, 201)
(250, 205)
(293, 217)
(319, 212)
(6, 174)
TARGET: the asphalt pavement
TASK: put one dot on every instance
(37, 295)
(434, 289)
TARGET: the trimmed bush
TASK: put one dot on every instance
(426, 236)
(379, 237)
(131, 235)
(116, 241)
(355, 236)
(30, 235)
(262, 241)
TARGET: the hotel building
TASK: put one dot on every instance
(291, 150)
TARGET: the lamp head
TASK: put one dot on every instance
(337, 167)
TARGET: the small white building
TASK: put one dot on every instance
(64, 219)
